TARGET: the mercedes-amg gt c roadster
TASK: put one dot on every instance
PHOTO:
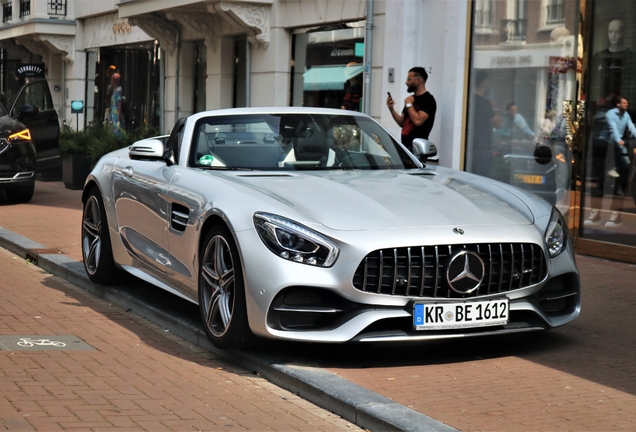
(318, 225)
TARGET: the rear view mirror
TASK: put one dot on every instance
(423, 149)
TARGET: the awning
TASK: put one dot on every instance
(329, 77)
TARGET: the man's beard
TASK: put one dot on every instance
(411, 89)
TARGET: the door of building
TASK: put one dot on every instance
(604, 201)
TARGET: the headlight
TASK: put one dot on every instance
(556, 236)
(23, 135)
(294, 242)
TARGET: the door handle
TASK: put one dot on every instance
(127, 171)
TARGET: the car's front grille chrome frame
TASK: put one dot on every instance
(421, 271)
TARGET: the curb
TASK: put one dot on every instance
(350, 401)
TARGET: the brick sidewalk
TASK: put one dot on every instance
(578, 377)
(138, 377)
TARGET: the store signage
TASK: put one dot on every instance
(122, 27)
(77, 107)
(338, 52)
(30, 71)
(511, 60)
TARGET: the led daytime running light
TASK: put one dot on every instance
(24, 135)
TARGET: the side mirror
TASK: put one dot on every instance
(26, 110)
(542, 154)
(423, 149)
(147, 149)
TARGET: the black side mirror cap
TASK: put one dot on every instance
(26, 110)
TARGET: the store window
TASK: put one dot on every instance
(328, 66)
(520, 74)
(138, 68)
(609, 190)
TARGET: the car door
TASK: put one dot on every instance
(139, 191)
(42, 122)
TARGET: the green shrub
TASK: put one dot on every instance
(98, 139)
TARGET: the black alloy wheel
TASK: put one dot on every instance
(222, 292)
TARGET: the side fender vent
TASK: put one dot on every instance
(179, 217)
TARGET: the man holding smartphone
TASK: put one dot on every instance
(418, 115)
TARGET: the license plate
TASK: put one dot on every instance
(444, 316)
(530, 179)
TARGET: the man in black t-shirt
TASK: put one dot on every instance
(418, 115)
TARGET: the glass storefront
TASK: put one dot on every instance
(524, 63)
(138, 67)
(608, 193)
(328, 66)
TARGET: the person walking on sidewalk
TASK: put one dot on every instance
(418, 115)
(618, 126)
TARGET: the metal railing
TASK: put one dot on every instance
(57, 7)
(513, 30)
(25, 8)
(7, 12)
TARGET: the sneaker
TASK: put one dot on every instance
(594, 219)
(613, 173)
(614, 221)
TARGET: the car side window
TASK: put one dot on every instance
(36, 94)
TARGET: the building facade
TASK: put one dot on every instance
(500, 71)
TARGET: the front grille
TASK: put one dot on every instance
(421, 271)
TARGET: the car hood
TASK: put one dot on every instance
(362, 200)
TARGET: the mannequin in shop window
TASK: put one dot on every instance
(116, 102)
(612, 74)
(613, 65)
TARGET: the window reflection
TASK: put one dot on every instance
(520, 74)
(609, 192)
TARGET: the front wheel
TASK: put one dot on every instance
(97, 252)
(222, 292)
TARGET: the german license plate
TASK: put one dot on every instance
(530, 179)
(444, 316)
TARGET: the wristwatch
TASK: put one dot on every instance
(408, 105)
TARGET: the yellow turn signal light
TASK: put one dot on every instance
(24, 135)
(560, 157)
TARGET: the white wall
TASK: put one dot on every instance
(431, 34)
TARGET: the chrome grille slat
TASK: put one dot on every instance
(408, 271)
(512, 266)
(400, 271)
(395, 271)
(380, 272)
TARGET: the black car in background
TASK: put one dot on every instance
(29, 140)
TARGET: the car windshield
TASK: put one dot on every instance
(3, 111)
(295, 142)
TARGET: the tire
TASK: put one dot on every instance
(97, 252)
(222, 292)
(21, 194)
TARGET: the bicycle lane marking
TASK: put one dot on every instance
(43, 343)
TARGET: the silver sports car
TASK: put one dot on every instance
(318, 225)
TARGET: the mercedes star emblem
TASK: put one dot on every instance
(465, 271)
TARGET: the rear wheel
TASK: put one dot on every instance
(97, 252)
(21, 194)
(222, 292)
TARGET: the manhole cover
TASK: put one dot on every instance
(43, 343)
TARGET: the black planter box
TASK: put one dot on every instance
(75, 169)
